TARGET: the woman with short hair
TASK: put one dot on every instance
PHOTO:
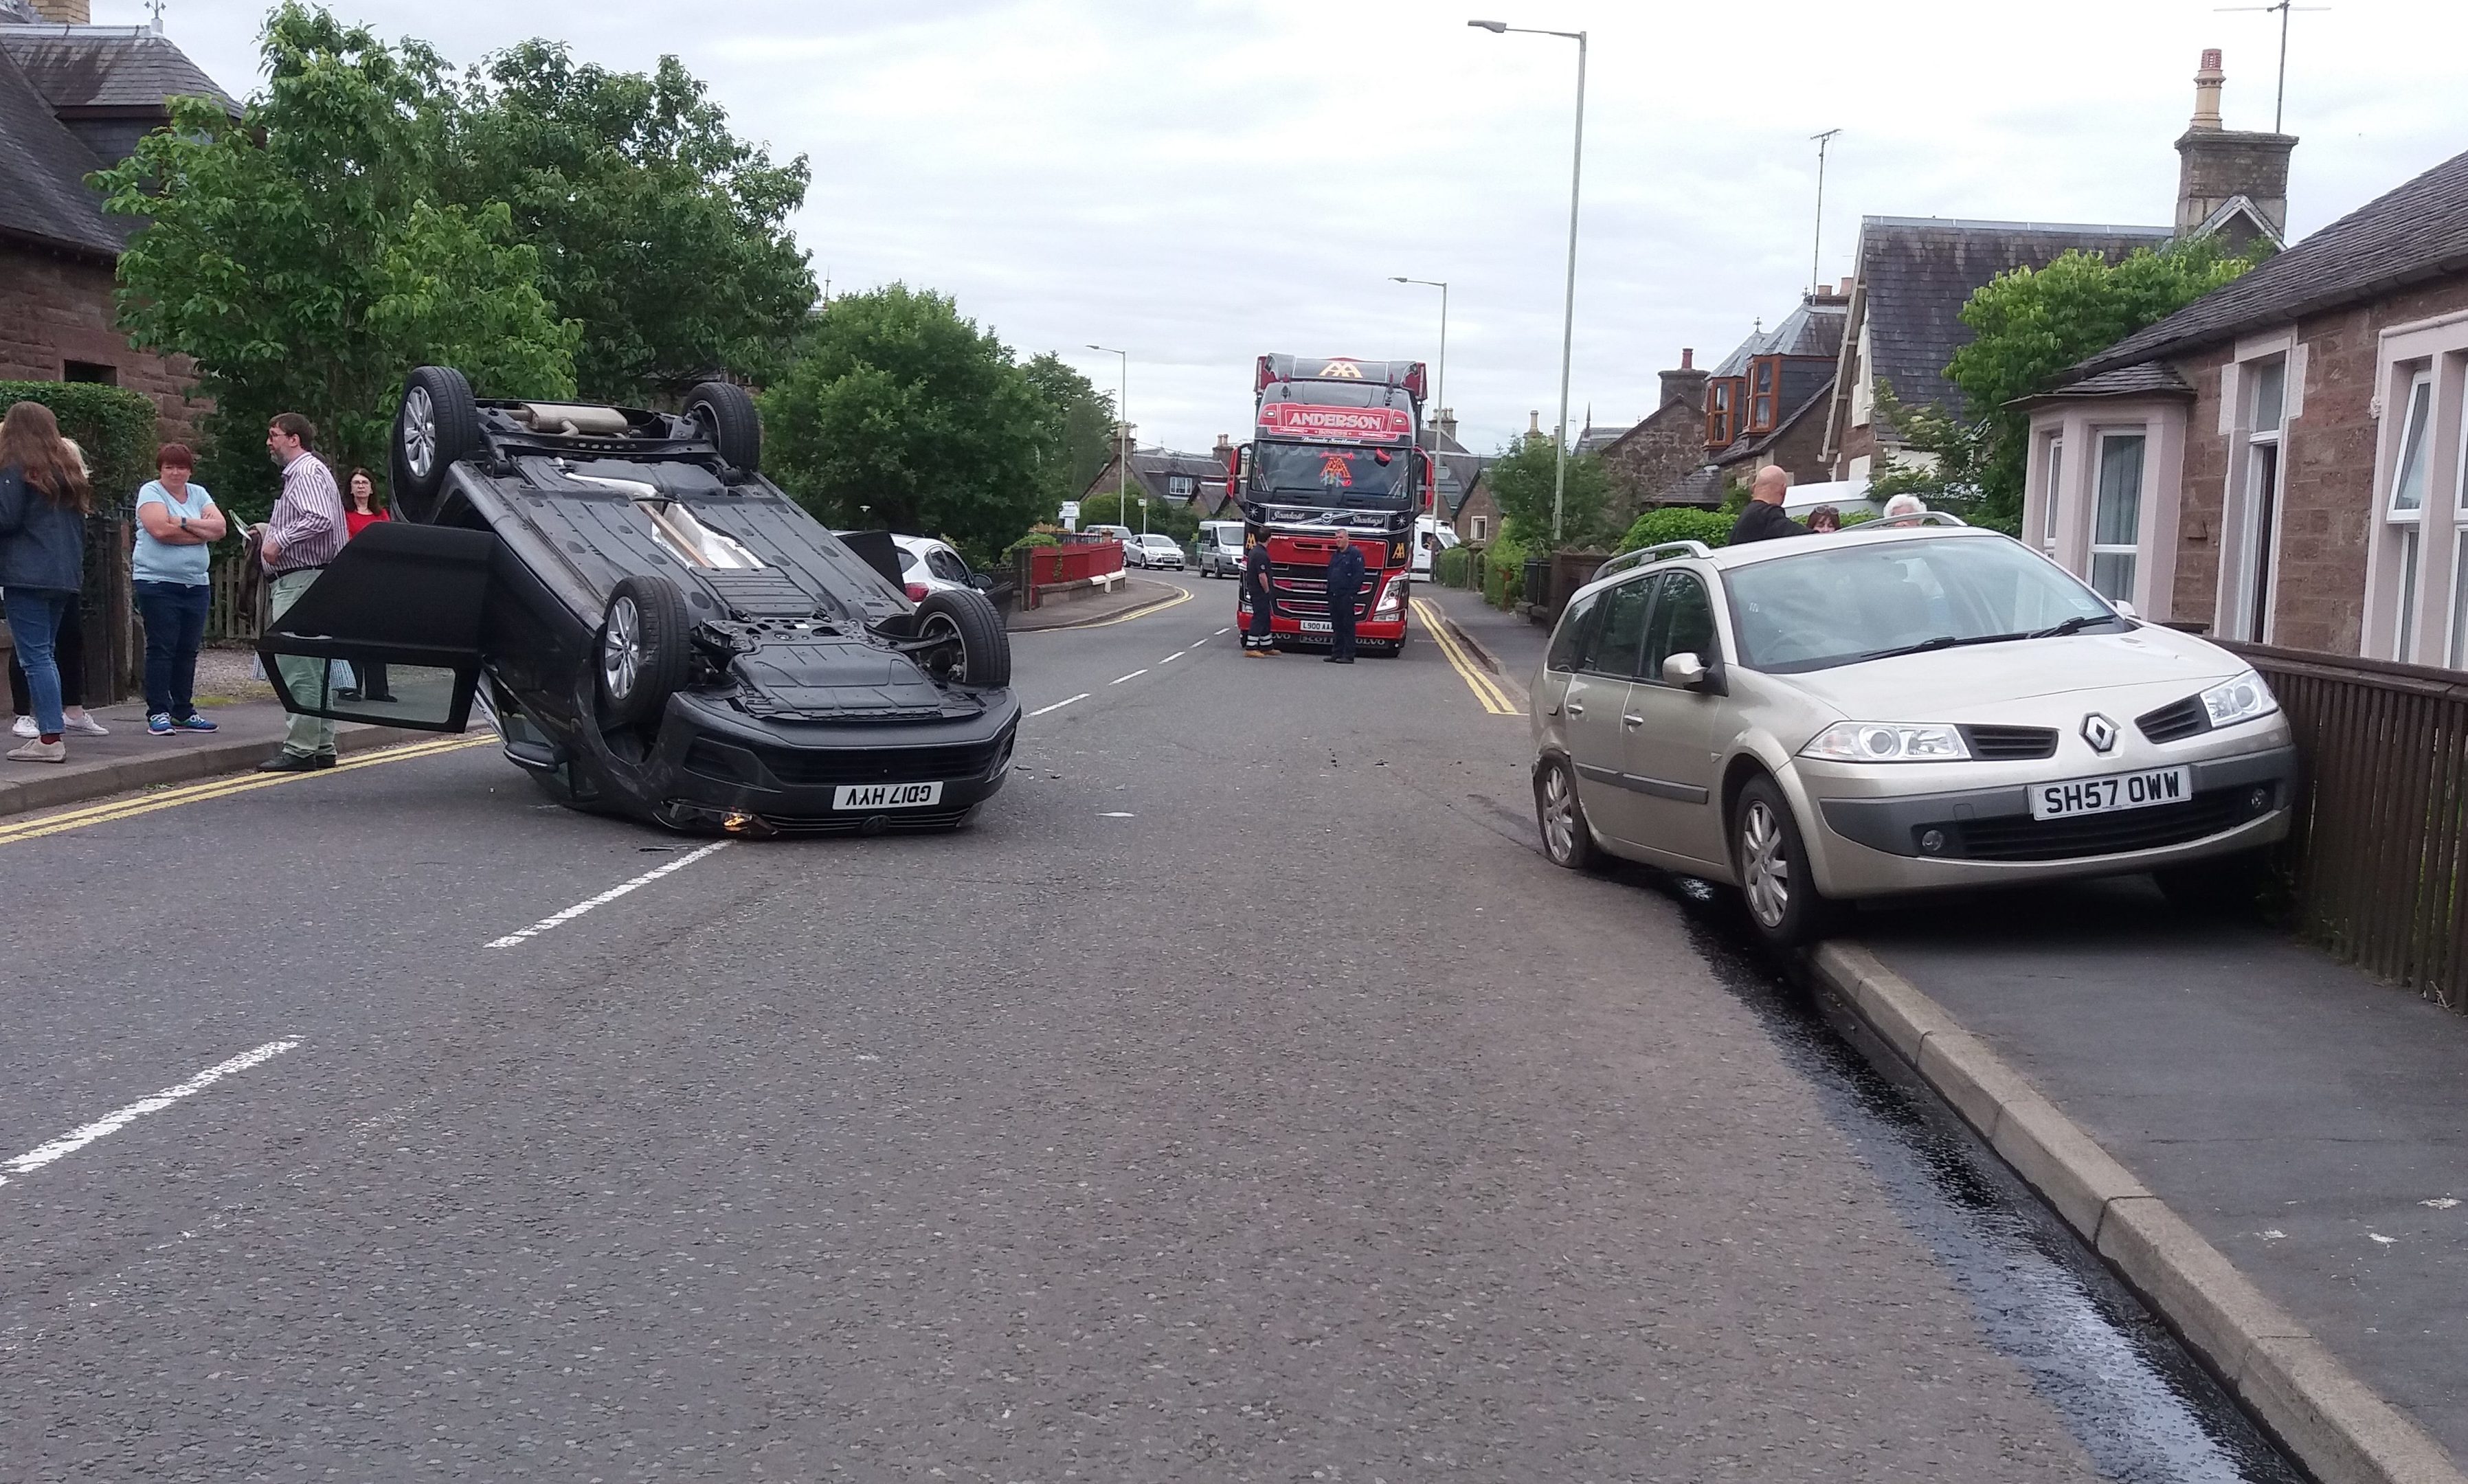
(43, 501)
(176, 521)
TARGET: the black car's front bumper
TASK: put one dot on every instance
(714, 768)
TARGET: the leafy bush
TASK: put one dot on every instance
(1679, 523)
(1449, 567)
(1033, 538)
(1503, 575)
(114, 427)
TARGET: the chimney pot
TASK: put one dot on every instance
(1687, 358)
(2207, 90)
(75, 12)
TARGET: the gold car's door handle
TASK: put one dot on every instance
(1576, 708)
(1632, 721)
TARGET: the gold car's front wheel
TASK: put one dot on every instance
(1771, 864)
(1566, 839)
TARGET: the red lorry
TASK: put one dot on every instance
(1335, 446)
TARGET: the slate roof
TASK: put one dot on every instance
(1154, 469)
(1458, 467)
(1814, 329)
(92, 70)
(1916, 273)
(2402, 236)
(43, 194)
(2144, 378)
(1748, 449)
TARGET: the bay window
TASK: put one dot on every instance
(2117, 515)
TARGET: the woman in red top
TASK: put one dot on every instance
(362, 510)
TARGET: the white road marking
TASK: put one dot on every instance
(2440, 1202)
(70, 1143)
(561, 919)
(1176, 655)
(1133, 676)
(1115, 814)
(1222, 631)
(1058, 705)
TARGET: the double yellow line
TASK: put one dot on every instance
(216, 788)
(1485, 689)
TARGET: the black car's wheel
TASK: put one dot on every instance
(971, 647)
(726, 414)
(1566, 839)
(1772, 865)
(643, 650)
(438, 423)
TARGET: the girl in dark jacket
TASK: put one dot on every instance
(43, 501)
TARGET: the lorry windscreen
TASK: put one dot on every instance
(1331, 475)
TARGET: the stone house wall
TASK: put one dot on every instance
(55, 309)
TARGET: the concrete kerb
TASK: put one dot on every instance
(2338, 1427)
(125, 775)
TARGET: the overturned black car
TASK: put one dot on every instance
(655, 628)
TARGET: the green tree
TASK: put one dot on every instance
(1521, 479)
(1088, 414)
(2029, 326)
(297, 258)
(898, 413)
(658, 230)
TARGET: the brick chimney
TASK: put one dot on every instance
(2215, 163)
(1533, 426)
(1687, 383)
(76, 12)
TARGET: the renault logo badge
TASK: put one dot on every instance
(2100, 732)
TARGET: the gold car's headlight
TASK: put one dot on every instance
(1887, 742)
(2239, 698)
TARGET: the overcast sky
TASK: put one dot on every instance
(1202, 180)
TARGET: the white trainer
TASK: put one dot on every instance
(25, 727)
(84, 721)
(40, 751)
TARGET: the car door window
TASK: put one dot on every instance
(947, 566)
(1576, 629)
(1619, 635)
(1682, 624)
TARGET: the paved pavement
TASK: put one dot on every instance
(1513, 641)
(1129, 596)
(1243, 1097)
(2305, 1119)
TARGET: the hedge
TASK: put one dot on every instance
(1503, 572)
(1679, 523)
(113, 426)
(1449, 567)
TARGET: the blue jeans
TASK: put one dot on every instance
(175, 624)
(33, 623)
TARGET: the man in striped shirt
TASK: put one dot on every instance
(306, 532)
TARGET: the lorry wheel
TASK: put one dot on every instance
(726, 414)
(643, 656)
(974, 649)
(437, 424)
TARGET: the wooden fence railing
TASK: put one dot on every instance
(226, 616)
(2378, 854)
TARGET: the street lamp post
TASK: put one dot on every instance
(1123, 439)
(1568, 313)
(1439, 398)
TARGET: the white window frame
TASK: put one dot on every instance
(2257, 555)
(2052, 492)
(1481, 528)
(2410, 523)
(2132, 550)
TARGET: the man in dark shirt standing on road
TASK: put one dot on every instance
(1344, 585)
(1764, 520)
(1262, 596)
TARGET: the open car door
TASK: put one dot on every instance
(389, 632)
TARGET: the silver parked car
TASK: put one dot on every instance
(1153, 550)
(1895, 709)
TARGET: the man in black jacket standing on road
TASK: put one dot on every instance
(1345, 586)
(1257, 639)
(1764, 520)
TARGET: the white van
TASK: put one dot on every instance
(1431, 537)
(1219, 551)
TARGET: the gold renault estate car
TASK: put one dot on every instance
(1894, 709)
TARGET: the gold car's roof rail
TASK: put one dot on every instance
(1651, 553)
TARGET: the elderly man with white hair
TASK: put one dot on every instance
(1902, 506)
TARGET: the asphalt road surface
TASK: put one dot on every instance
(1243, 1097)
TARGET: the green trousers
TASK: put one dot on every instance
(302, 736)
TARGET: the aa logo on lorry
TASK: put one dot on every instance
(1342, 368)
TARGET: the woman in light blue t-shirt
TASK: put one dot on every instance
(176, 521)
